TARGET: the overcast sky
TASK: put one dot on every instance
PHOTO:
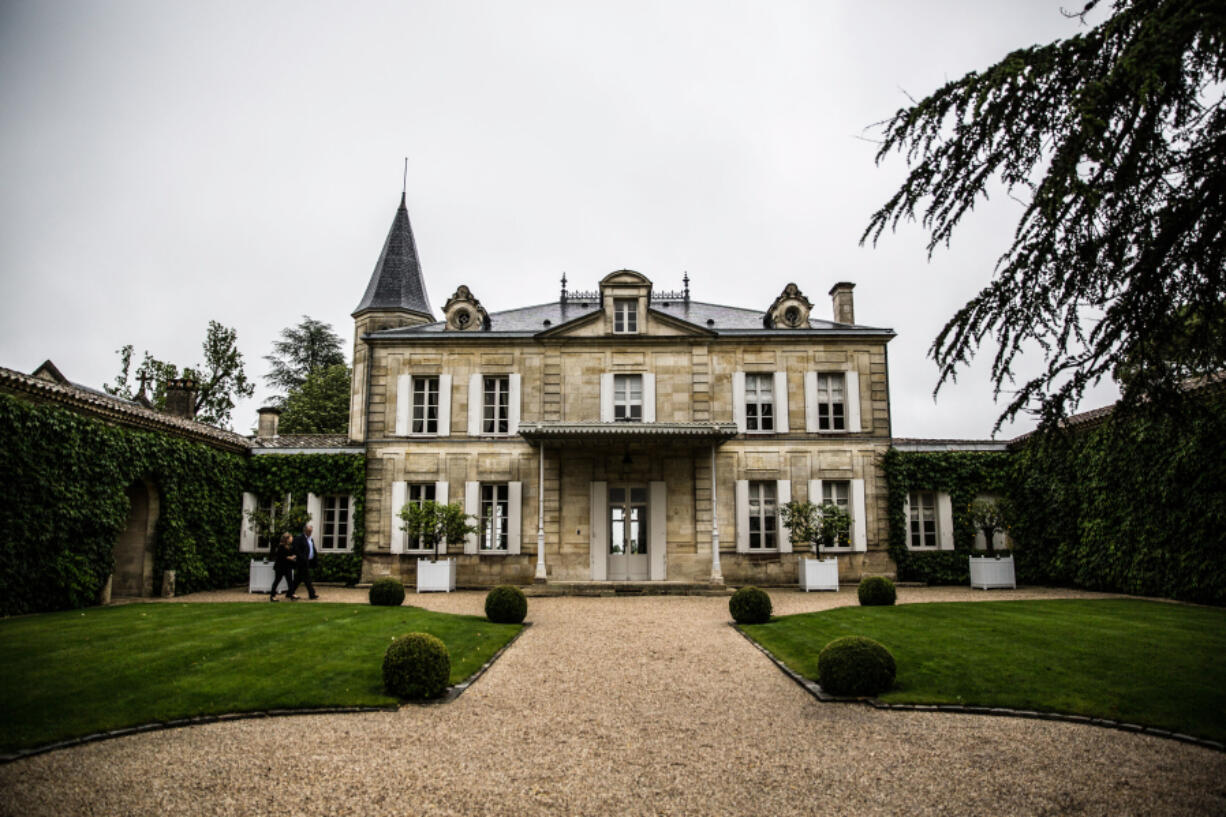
(163, 164)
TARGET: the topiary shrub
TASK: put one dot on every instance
(855, 666)
(386, 592)
(749, 605)
(506, 604)
(416, 666)
(876, 591)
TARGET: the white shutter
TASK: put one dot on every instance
(444, 405)
(315, 509)
(515, 516)
(742, 516)
(246, 533)
(906, 519)
(440, 496)
(781, 404)
(658, 520)
(738, 401)
(399, 493)
(349, 533)
(474, 404)
(859, 521)
(945, 522)
(472, 507)
(815, 496)
(851, 388)
(649, 397)
(402, 404)
(783, 495)
(811, 403)
(599, 537)
(516, 391)
(606, 397)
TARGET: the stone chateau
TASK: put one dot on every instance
(621, 433)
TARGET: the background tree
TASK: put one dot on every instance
(220, 379)
(320, 405)
(1114, 140)
(308, 347)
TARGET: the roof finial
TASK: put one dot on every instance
(685, 279)
(563, 287)
(404, 184)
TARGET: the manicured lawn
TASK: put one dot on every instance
(1150, 663)
(75, 673)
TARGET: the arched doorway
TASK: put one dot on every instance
(134, 548)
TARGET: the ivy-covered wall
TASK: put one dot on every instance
(1134, 505)
(64, 481)
(274, 475)
(963, 475)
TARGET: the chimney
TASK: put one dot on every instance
(269, 415)
(844, 306)
(181, 398)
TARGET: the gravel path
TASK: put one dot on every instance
(627, 706)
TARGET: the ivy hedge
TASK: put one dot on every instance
(272, 475)
(1136, 504)
(963, 475)
(65, 481)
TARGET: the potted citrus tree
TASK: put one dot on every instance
(992, 570)
(436, 524)
(827, 525)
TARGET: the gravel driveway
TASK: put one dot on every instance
(627, 706)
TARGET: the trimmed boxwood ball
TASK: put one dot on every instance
(416, 666)
(750, 605)
(387, 592)
(876, 591)
(506, 604)
(855, 666)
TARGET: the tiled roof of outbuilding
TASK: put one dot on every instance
(118, 410)
(299, 442)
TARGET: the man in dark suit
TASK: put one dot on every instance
(304, 549)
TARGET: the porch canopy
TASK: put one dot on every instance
(696, 434)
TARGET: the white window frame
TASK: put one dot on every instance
(763, 509)
(625, 316)
(415, 493)
(419, 418)
(759, 403)
(338, 540)
(624, 402)
(827, 391)
(819, 395)
(830, 488)
(494, 520)
(496, 412)
(915, 506)
(407, 413)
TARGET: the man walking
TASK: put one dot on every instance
(304, 550)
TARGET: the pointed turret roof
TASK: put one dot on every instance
(397, 283)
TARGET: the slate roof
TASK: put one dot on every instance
(721, 320)
(118, 410)
(397, 282)
(299, 442)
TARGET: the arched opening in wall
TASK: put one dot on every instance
(134, 548)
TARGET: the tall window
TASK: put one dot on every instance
(628, 398)
(425, 405)
(759, 402)
(270, 507)
(495, 416)
(494, 515)
(334, 534)
(923, 519)
(419, 493)
(837, 492)
(831, 402)
(625, 315)
(763, 521)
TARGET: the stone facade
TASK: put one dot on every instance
(631, 398)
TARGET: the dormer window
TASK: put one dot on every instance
(625, 315)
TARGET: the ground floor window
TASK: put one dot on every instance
(837, 492)
(922, 528)
(494, 515)
(763, 520)
(419, 493)
(334, 535)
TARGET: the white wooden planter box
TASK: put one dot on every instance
(260, 580)
(435, 576)
(988, 572)
(819, 574)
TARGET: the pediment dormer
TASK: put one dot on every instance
(790, 310)
(464, 313)
(625, 296)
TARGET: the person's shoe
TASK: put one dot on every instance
(292, 598)
(272, 598)
(312, 598)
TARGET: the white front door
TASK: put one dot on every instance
(628, 533)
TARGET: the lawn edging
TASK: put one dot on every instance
(454, 691)
(814, 689)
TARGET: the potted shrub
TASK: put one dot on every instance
(436, 525)
(807, 523)
(991, 570)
